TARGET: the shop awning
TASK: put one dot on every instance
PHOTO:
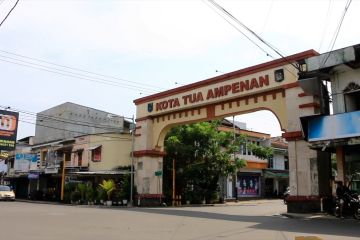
(339, 126)
(94, 147)
(99, 173)
(276, 174)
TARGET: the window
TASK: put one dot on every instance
(96, 154)
(79, 155)
(286, 159)
(352, 97)
(271, 162)
(140, 166)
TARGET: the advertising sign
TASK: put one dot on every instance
(337, 126)
(8, 130)
(23, 161)
(248, 186)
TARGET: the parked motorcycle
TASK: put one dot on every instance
(286, 194)
(350, 203)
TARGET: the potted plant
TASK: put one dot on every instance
(89, 195)
(109, 187)
(100, 195)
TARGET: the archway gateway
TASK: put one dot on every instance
(269, 86)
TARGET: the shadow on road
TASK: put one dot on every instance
(312, 226)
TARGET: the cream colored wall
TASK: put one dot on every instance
(340, 79)
(115, 152)
(81, 143)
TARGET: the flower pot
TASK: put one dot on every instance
(124, 202)
(108, 203)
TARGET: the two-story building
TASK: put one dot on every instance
(335, 77)
(71, 143)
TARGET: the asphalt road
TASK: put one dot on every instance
(246, 220)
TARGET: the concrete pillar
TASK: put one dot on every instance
(340, 162)
(303, 169)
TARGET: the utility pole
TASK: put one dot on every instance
(132, 160)
(63, 178)
(173, 184)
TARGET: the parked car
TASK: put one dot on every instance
(6, 193)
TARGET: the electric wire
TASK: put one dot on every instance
(49, 118)
(239, 30)
(66, 130)
(337, 31)
(80, 70)
(262, 49)
(326, 24)
(253, 33)
(9, 13)
(74, 75)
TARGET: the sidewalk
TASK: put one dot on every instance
(310, 216)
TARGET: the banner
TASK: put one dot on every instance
(8, 130)
(23, 161)
(248, 186)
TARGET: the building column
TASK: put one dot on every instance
(304, 180)
(340, 162)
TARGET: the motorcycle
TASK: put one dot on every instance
(350, 203)
(286, 194)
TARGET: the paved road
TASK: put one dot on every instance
(247, 220)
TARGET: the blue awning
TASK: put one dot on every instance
(320, 128)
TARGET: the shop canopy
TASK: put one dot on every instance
(339, 126)
(276, 174)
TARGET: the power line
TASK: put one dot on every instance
(252, 32)
(326, 25)
(84, 133)
(239, 30)
(65, 120)
(75, 75)
(81, 70)
(9, 13)
(336, 34)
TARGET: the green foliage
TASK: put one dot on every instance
(108, 186)
(81, 187)
(100, 194)
(68, 189)
(89, 193)
(203, 155)
(75, 196)
(260, 151)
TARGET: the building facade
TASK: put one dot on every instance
(68, 147)
(260, 177)
(335, 76)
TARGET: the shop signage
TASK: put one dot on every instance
(212, 93)
(337, 126)
(8, 130)
(158, 173)
(33, 176)
(51, 170)
(23, 162)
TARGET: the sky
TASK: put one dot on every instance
(130, 49)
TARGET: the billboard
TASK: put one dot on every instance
(337, 126)
(8, 130)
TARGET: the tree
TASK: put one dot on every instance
(203, 155)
